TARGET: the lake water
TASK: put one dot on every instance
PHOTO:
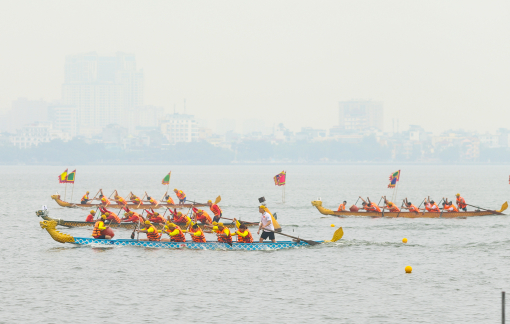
(459, 266)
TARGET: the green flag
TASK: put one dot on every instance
(166, 179)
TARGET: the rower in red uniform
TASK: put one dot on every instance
(179, 218)
(152, 232)
(99, 228)
(90, 217)
(155, 217)
(341, 207)
(132, 217)
(202, 216)
(243, 234)
(461, 203)
(216, 211)
(175, 232)
(112, 217)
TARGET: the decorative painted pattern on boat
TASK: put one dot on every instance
(130, 206)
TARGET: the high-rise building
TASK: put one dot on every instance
(23, 112)
(105, 90)
(64, 118)
(361, 115)
(180, 128)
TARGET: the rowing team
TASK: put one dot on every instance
(176, 234)
(430, 206)
(134, 199)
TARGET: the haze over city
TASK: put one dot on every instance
(441, 65)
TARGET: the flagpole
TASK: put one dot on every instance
(65, 192)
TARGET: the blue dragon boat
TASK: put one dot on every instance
(50, 226)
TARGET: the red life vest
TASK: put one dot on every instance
(461, 202)
(179, 237)
(157, 219)
(341, 207)
(96, 232)
(247, 239)
(122, 201)
(113, 217)
(136, 200)
(182, 219)
(373, 207)
(90, 218)
(215, 209)
(204, 217)
(155, 235)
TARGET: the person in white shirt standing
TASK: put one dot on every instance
(266, 223)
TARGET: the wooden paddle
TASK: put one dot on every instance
(240, 221)
(503, 208)
(297, 238)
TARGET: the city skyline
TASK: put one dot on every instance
(246, 60)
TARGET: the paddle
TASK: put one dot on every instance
(297, 238)
(242, 222)
(503, 208)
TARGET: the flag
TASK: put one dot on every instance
(279, 179)
(63, 177)
(394, 177)
(166, 179)
(71, 177)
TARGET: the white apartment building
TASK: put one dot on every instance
(105, 90)
(180, 128)
(360, 115)
(64, 118)
(34, 134)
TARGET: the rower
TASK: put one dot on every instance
(104, 201)
(197, 234)
(90, 217)
(181, 195)
(449, 207)
(461, 203)
(175, 232)
(155, 217)
(431, 206)
(223, 234)
(411, 207)
(243, 234)
(112, 217)
(99, 227)
(153, 201)
(179, 218)
(85, 198)
(132, 217)
(266, 224)
(151, 231)
(370, 206)
(216, 211)
(341, 207)
(121, 201)
(391, 207)
(169, 200)
(135, 200)
(202, 216)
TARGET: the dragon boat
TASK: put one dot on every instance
(62, 203)
(44, 214)
(407, 214)
(50, 226)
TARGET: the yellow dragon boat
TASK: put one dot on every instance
(407, 214)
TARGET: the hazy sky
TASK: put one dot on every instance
(441, 64)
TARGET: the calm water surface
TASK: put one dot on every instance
(459, 266)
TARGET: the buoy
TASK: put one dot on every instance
(332, 225)
(404, 240)
(409, 269)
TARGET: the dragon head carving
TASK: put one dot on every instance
(50, 226)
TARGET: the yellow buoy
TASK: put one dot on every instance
(404, 240)
(332, 225)
(409, 269)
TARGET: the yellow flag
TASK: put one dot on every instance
(63, 177)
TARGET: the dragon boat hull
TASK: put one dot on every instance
(407, 214)
(130, 206)
(67, 223)
(50, 226)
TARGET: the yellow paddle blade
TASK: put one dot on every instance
(339, 233)
(503, 207)
(277, 226)
(218, 199)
